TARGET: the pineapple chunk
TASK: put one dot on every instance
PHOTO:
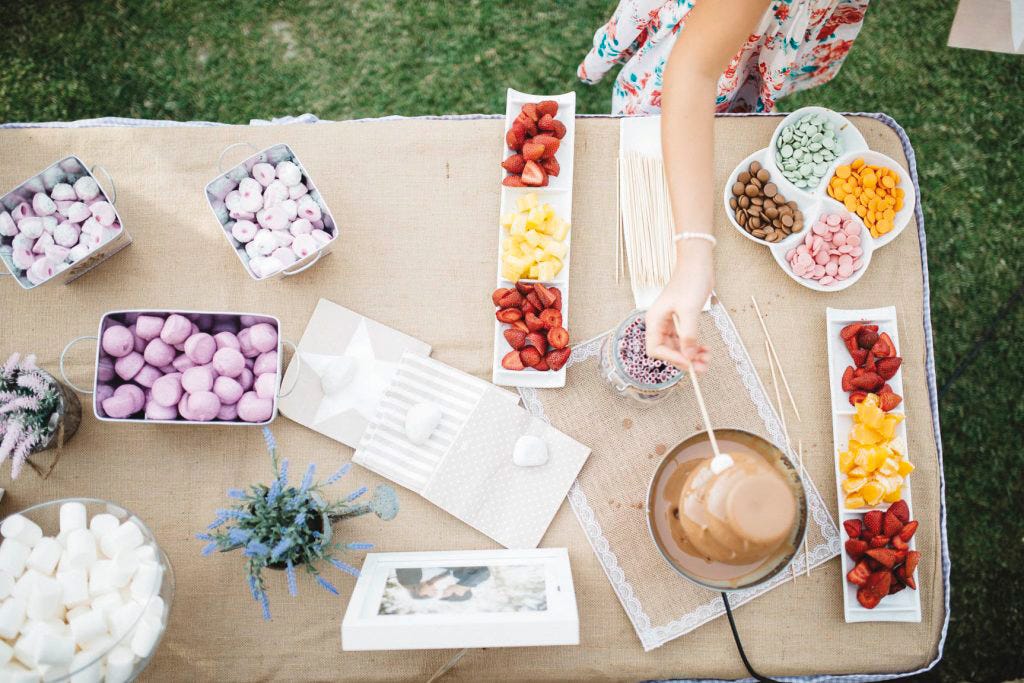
(534, 272)
(547, 210)
(533, 238)
(535, 218)
(556, 249)
(547, 270)
(558, 229)
(527, 201)
(518, 224)
(506, 219)
(519, 263)
(510, 273)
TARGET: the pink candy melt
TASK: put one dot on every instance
(830, 252)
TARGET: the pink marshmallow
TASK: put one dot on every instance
(104, 213)
(245, 344)
(296, 191)
(129, 365)
(176, 329)
(275, 193)
(22, 211)
(66, 234)
(197, 379)
(118, 407)
(266, 385)
(42, 205)
(182, 363)
(233, 201)
(140, 343)
(183, 408)
(86, 188)
(228, 362)
(228, 390)
(304, 245)
(105, 369)
(23, 258)
(78, 213)
(63, 192)
(243, 231)
(228, 412)
(246, 379)
(155, 411)
(290, 208)
(300, 227)
(265, 362)
(159, 353)
(226, 339)
(242, 215)
(252, 408)
(200, 348)
(137, 396)
(45, 240)
(250, 195)
(263, 173)
(203, 405)
(167, 390)
(273, 218)
(308, 208)
(103, 392)
(8, 228)
(263, 337)
(40, 271)
(284, 256)
(147, 376)
(149, 326)
(321, 237)
(31, 226)
(118, 341)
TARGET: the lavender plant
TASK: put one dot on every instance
(29, 403)
(287, 527)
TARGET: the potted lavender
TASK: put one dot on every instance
(288, 527)
(37, 412)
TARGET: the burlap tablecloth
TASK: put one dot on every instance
(417, 203)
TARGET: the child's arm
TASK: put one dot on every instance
(715, 31)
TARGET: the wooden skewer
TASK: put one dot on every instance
(803, 472)
(771, 349)
(782, 417)
(700, 397)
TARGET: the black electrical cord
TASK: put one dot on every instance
(739, 645)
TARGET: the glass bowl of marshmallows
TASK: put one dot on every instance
(85, 593)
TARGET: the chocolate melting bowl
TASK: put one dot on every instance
(764, 448)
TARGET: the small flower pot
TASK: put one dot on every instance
(65, 421)
(320, 523)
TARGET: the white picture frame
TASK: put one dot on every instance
(462, 599)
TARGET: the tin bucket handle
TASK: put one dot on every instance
(65, 353)
(298, 367)
(110, 180)
(220, 159)
(287, 273)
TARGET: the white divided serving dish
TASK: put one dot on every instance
(816, 201)
(558, 193)
(906, 605)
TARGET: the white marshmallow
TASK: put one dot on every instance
(308, 208)
(275, 193)
(321, 237)
(123, 619)
(73, 516)
(289, 173)
(264, 173)
(284, 238)
(6, 652)
(101, 578)
(88, 626)
(120, 663)
(66, 234)
(145, 637)
(31, 226)
(250, 250)
(6, 585)
(285, 255)
(267, 266)
(25, 584)
(76, 612)
(12, 616)
(243, 231)
(304, 245)
(46, 601)
(155, 609)
(24, 650)
(81, 549)
(13, 556)
(49, 223)
(63, 192)
(233, 201)
(88, 668)
(78, 213)
(53, 650)
(102, 524)
(300, 227)
(43, 205)
(296, 191)
(45, 555)
(265, 242)
(127, 536)
(7, 225)
(108, 602)
(22, 242)
(13, 673)
(250, 195)
(124, 567)
(104, 213)
(145, 553)
(86, 188)
(78, 252)
(75, 585)
(291, 209)
(147, 581)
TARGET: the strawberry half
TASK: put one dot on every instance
(511, 361)
(856, 548)
(514, 142)
(530, 109)
(856, 397)
(551, 166)
(512, 299)
(521, 325)
(867, 598)
(513, 181)
(908, 531)
(850, 331)
(508, 315)
(533, 174)
(901, 510)
(558, 337)
(887, 367)
(891, 525)
(559, 130)
(550, 142)
(546, 123)
(884, 556)
(551, 318)
(514, 164)
(878, 541)
(524, 288)
(858, 576)
(907, 577)
(865, 338)
(869, 381)
(913, 558)
(515, 338)
(557, 305)
(898, 543)
(547, 107)
(848, 379)
(853, 528)
(532, 151)
(889, 401)
(888, 342)
(498, 293)
(530, 356)
(878, 583)
(544, 295)
(557, 358)
(534, 323)
(873, 522)
(537, 341)
(859, 356)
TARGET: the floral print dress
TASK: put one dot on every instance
(799, 44)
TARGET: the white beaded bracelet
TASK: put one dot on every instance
(680, 236)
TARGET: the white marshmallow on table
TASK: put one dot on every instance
(43, 205)
(6, 584)
(45, 554)
(86, 188)
(289, 173)
(120, 663)
(81, 549)
(308, 208)
(420, 421)
(296, 191)
(145, 637)
(12, 616)
(31, 226)
(87, 667)
(75, 587)
(13, 556)
(21, 528)
(73, 516)
(63, 192)
(147, 580)
(275, 194)
(529, 451)
(88, 626)
(102, 524)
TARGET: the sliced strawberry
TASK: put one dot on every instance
(896, 585)
(907, 577)
(886, 389)
(878, 583)
(514, 142)
(851, 344)
(856, 548)
(544, 295)
(558, 337)
(865, 338)
(901, 510)
(885, 556)
(900, 554)
(873, 522)
(521, 325)
(859, 574)
(889, 401)
(512, 299)
(551, 318)
(559, 130)
(868, 599)
(514, 164)
(913, 558)
(848, 379)
(874, 564)
(547, 107)
(898, 543)
(535, 300)
(888, 342)
(557, 358)
(869, 381)
(546, 123)
(542, 365)
(859, 356)
(515, 338)
(534, 323)
(529, 355)
(887, 367)
(891, 525)
(856, 397)
(513, 181)
(850, 331)
(533, 174)
(550, 142)
(878, 541)
(872, 327)
(551, 166)
(869, 362)
(537, 341)
(524, 288)
(509, 315)
(511, 361)
(908, 531)
(557, 305)
(880, 349)
(498, 293)
(853, 528)
(530, 109)
(532, 151)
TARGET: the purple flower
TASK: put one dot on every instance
(355, 494)
(347, 568)
(209, 548)
(293, 586)
(359, 546)
(342, 471)
(307, 480)
(326, 585)
(282, 546)
(265, 604)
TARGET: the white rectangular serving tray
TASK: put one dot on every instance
(905, 605)
(558, 193)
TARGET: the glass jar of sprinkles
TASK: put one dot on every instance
(628, 369)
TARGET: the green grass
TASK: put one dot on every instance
(963, 110)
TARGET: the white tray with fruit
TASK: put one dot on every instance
(872, 467)
(531, 341)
